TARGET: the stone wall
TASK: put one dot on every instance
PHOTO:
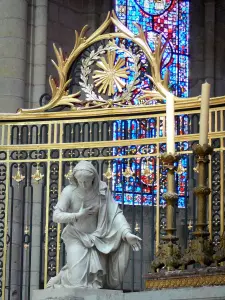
(66, 16)
(207, 46)
(13, 35)
(220, 48)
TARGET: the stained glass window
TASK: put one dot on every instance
(170, 18)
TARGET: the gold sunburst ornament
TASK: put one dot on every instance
(111, 74)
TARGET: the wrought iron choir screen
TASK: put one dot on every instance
(120, 127)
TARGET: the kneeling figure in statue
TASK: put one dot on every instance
(97, 236)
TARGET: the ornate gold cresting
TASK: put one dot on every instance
(60, 94)
(200, 249)
(169, 254)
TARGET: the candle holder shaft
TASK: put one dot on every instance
(169, 254)
(200, 248)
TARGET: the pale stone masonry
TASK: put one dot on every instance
(13, 39)
(201, 293)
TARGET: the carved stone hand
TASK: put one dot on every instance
(133, 241)
(84, 212)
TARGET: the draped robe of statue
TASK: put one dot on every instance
(96, 258)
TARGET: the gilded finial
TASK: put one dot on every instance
(128, 172)
(190, 225)
(37, 176)
(147, 171)
(18, 177)
(109, 173)
(70, 172)
(180, 169)
(137, 227)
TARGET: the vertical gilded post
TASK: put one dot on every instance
(169, 253)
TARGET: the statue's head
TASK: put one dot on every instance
(85, 176)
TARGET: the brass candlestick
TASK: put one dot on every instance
(168, 254)
(200, 248)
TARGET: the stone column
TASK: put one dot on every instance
(209, 47)
(13, 29)
(36, 52)
(38, 87)
(40, 51)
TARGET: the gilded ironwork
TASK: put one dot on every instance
(4, 198)
(217, 195)
(51, 227)
(63, 142)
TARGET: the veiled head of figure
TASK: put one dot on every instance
(85, 176)
(84, 179)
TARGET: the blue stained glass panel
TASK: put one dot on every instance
(171, 19)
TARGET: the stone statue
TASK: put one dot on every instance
(97, 236)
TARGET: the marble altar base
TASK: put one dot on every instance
(200, 293)
(76, 294)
